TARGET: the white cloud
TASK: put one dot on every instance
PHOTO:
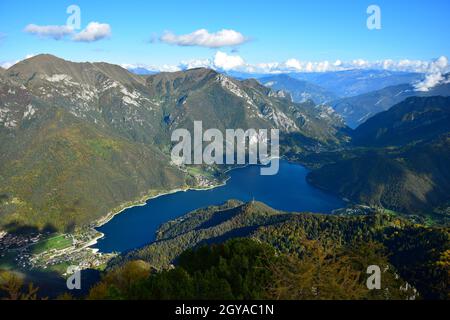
(197, 63)
(94, 31)
(168, 68)
(54, 32)
(435, 74)
(429, 82)
(9, 64)
(30, 55)
(293, 63)
(153, 68)
(227, 62)
(202, 38)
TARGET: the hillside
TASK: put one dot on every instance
(394, 179)
(223, 102)
(59, 170)
(100, 93)
(398, 160)
(306, 240)
(207, 225)
(411, 120)
(146, 109)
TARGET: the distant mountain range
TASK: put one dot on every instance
(78, 140)
(299, 90)
(356, 110)
(342, 84)
(363, 93)
(141, 71)
(355, 82)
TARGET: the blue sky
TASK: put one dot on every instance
(276, 31)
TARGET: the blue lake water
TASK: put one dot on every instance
(287, 190)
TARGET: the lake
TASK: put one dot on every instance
(287, 190)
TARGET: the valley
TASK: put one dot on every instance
(87, 176)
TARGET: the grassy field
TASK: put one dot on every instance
(60, 268)
(58, 242)
(199, 170)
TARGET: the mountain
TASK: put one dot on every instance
(61, 171)
(216, 224)
(146, 108)
(414, 119)
(413, 179)
(104, 95)
(79, 140)
(223, 102)
(355, 110)
(355, 82)
(141, 108)
(412, 252)
(403, 162)
(299, 90)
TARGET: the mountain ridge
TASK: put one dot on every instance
(300, 90)
(110, 124)
(416, 118)
(398, 160)
(357, 109)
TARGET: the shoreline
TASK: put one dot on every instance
(144, 200)
(97, 235)
(104, 220)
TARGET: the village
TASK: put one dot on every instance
(53, 252)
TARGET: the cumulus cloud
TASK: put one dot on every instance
(435, 75)
(94, 31)
(54, 32)
(227, 62)
(293, 64)
(202, 38)
(196, 63)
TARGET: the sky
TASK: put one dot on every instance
(244, 35)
